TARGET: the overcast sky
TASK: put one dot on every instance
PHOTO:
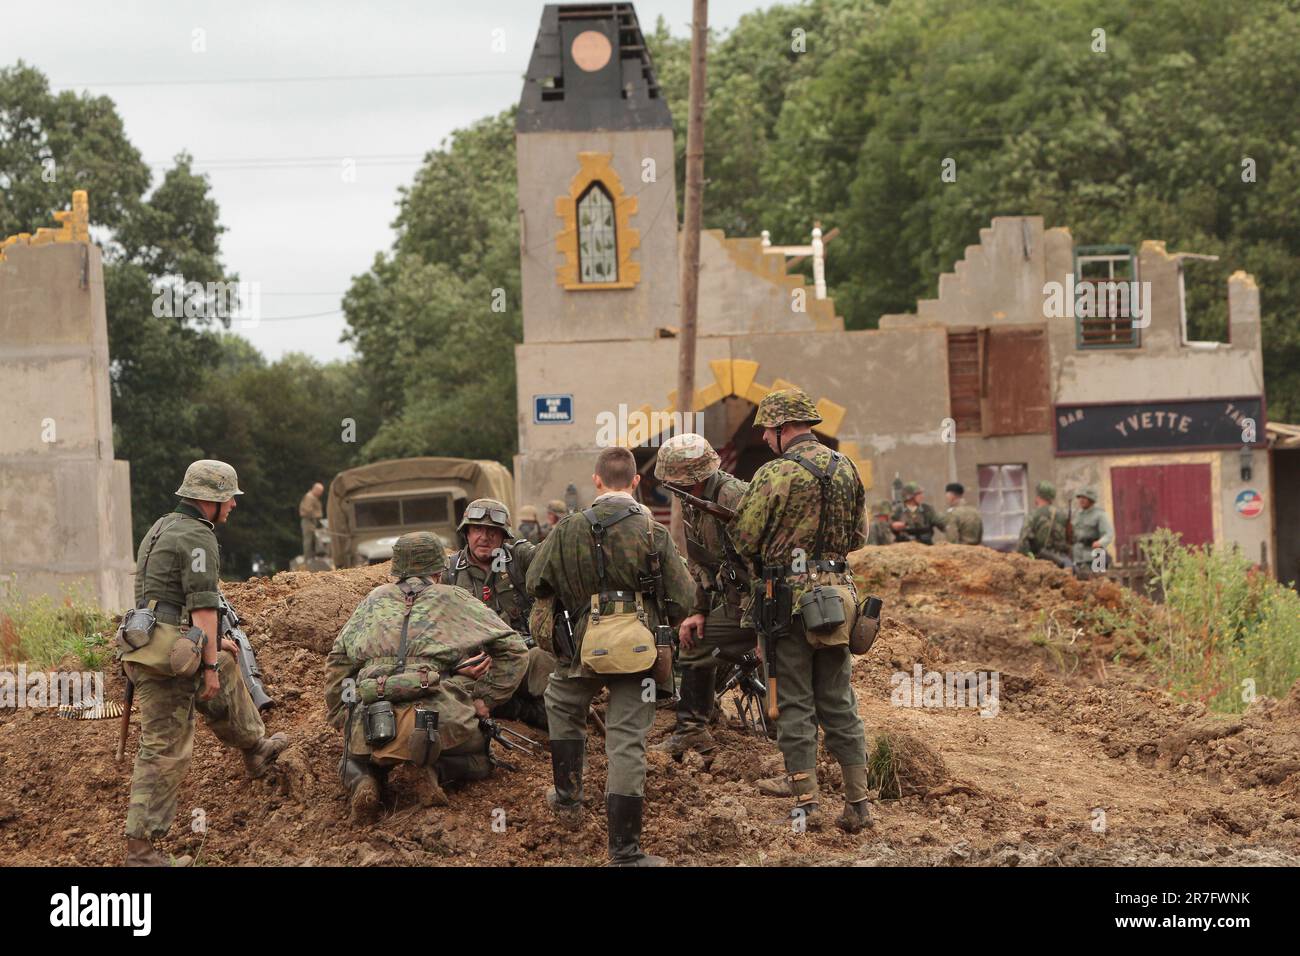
(274, 151)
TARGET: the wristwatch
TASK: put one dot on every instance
(209, 667)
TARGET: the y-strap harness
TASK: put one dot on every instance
(598, 530)
(824, 478)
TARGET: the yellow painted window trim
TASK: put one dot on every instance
(596, 167)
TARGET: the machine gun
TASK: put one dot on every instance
(509, 739)
(718, 511)
(228, 627)
(744, 673)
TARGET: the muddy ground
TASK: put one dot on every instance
(1084, 761)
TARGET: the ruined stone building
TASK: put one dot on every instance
(998, 382)
(65, 503)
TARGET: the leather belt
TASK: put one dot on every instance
(168, 613)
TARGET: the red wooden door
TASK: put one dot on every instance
(1162, 496)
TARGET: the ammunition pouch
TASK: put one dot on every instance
(422, 741)
(823, 610)
(620, 642)
(379, 723)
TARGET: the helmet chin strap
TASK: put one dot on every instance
(780, 435)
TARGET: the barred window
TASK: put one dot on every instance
(597, 237)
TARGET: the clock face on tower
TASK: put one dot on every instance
(591, 50)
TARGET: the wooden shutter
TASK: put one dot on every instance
(964, 380)
(1017, 400)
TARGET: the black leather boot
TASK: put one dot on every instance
(624, 816)
(565, 798)
(362, 785)
(694, 708)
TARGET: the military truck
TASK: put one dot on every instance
(371, 506)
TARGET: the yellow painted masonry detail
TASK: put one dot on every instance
(74, 227)
(595, 167)
(736, 377)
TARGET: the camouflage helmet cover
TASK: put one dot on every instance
(686, 459)
(486, 519)
(1087, 491)
(1046, 490)
(416, 553)
(786, 405)
(209, 480)
(911, 488)
(882, 507)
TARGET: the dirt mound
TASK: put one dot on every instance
(1076, 764)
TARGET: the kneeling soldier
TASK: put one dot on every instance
(412, 673)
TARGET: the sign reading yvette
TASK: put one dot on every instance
(1159, 426)
(552, 409)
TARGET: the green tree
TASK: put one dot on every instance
(436, 319)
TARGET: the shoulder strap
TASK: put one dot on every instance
(410, 592)
(598, 529)
(144, 568)
(824, 478)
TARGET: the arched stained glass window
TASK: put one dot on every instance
(597, 236)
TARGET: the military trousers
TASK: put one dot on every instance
(722, 629)
(167, 706)
(813, 690)
(628, 718)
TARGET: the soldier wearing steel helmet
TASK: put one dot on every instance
(414, 648)
(796, 524)
(914, 519)
(177, 580)
(880, 532)
(721, 586)
(1045, 533)
(529, 527)
(492, 564)
(1091, 533)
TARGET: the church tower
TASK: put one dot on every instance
(597, 199)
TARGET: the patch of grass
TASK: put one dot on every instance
(1225, 632)
(43, 630)
(882, 768)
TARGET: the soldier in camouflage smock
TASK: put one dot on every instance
(721, 586)
(1044, 533)
(493, 565)
(914, 519)
(776, 527)
(880, 531)
(962, 522)
(565, 571)
(461, 660)
(177, 575)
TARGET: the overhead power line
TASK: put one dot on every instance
(321, 78)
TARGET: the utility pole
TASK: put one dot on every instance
(690, 262)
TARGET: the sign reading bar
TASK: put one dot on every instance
(552, 409)
(1159, 426)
